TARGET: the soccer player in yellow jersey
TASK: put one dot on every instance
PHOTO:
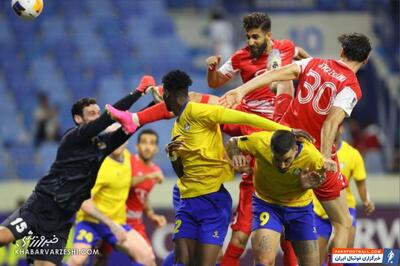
(198, 158)
(351, 166)
(103, 216)
(285, 169)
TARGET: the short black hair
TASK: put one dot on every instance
(356, 46)
(147, 131)
(282, 141)
(176, 81)
(257, 20)
(77, 107)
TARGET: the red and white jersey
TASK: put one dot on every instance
(323, 83)
(261, 101)
(138, 194)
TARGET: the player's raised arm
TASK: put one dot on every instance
(89, 207)
(215, 77)
(300, 53)
(328, 133)
(235, 96)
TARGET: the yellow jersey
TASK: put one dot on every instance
(273, 186)
(111, 190)
(351, 166)
(203, 158)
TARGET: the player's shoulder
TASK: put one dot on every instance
(309, 150)
(240, 54)
(347, 148)
(262, 137)
(284, 44)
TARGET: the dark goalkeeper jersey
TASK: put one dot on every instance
(79, 157)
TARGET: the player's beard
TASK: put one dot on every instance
(257, 51)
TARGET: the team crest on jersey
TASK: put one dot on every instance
(186, 127)
(297, 171)
(101, 145)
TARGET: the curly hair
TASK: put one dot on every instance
(176, 81)
(78, 106)
(356, 46)
(257, 20)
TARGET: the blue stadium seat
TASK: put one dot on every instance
(23, 158)
(7, 171)
(47, 154)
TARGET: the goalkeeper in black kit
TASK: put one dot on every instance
(58, 195)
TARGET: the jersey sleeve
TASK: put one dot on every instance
(228, 68)
(303, 64)
(287, 50)
(255, 143)
(206, 114)
(346, 99)
(359, 172)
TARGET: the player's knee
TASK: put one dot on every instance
(345, 223)
(265, 260)
(240, 240)
(6, 237)
(76, 260)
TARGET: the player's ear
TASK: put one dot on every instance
(268, 35)
(78, 119)
(156, 150)
(341, 52)
(366, 60)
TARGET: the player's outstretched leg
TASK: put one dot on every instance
(123, 117)
(265, 244)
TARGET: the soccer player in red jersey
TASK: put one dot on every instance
(327, 92)
(262, 53)
(145, 175)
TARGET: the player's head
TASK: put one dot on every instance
(85, 110)
(147, 144)
(284, 149)
(355, 47)
(258, 32)
(120, 150)
(176, 90)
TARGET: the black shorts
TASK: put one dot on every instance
(45, 224)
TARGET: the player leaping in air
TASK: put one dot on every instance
(59, 194)
(261, 54)
(327, 92)
(202, 217)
